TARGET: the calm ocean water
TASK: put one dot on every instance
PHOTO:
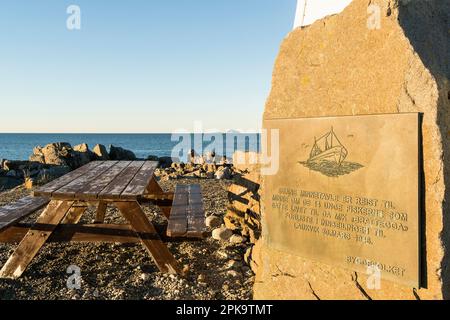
(20, 146)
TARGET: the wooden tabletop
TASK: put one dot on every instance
(102, 180)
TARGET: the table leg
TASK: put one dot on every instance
(35, 239)
(155, 189)
(149, 237)
(101, 211)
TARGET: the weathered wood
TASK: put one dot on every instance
(101, 211)
(104, 233)
(196, 213)
(139, 184)
(187, 218)
(34, 240)
(118, 185)
(18, 210)
(140, 223)
(49, 188)
(74, 215)
(90, 191)
(177, 225)
(69, 190)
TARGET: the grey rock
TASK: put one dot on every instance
(47, 175)
(12, 173)
(100, 152)
(213, 222)
(118, 153)
(236, 239)
(82, 155)
(222, 234)
(153, 158)
(223, 173)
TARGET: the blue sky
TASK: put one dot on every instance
(138, 66)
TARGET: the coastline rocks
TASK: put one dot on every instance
(153, 158)
(49, 174)
(118, 153)
(100, 152)
(58, 154)
(83, 155)
(222, 233)
(62, 154)
(223, 173)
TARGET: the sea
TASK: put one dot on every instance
(20, 146)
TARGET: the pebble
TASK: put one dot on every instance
(145, 276)
(235, 238)
(232, 273)
(222, 234)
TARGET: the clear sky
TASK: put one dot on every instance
(138, 65)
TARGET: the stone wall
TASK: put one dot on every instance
(338, 66)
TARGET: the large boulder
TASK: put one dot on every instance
(100, 152)
(340, 65)
(118, 153)
(58, 154)
(82, 155)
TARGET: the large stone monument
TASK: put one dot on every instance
(362, 104)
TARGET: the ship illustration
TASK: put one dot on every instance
(328, 148)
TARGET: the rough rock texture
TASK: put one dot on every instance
(100, 151)
(243, 211)
(118, 153)
(338, 66)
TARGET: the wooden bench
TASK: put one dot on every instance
(17, 211)
(187, 217)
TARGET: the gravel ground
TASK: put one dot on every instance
(125, 271)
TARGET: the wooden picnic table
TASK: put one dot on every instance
(123, 184)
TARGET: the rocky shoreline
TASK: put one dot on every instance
(220, 267)
(56, 159)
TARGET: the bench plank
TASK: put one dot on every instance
(117, 186)
(69, 190)
(138, 185)
(17, 211)
(177, 225)
(49, 188)
(196, 213)
(187, 215)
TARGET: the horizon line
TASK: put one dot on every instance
(221, 132)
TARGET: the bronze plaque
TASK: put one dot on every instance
(347, 193)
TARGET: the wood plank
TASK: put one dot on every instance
(177, 225)
(20, 209)
(101, 233)
(142, 226)
(106, 233)
(91, 190)
(101, 211)
(47, 189)
(74, 215)
(196, 213)
(69, 190)
(141, 181)
(34, 240)
(118, 185)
